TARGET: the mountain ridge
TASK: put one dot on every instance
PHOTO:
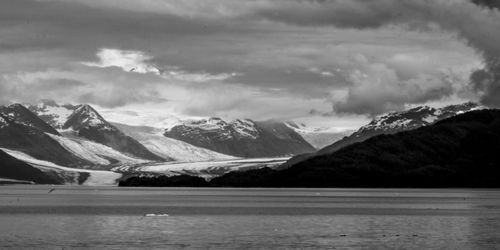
(241, 137)
(395, 122)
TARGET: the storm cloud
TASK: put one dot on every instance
(259, 59)
(478, 26)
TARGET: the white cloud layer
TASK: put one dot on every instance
(127, 60)
(140, 62)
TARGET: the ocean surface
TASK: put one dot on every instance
(79, 217)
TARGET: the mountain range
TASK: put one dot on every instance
(75, 144)
(460, 151)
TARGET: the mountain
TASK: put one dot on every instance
(390, 123)
(13, 168)
(400, 121)
(17, 113)
(318, 137)
(461, 151)
(22, 130)
(154, 140)
(86, 122)
(241, 137)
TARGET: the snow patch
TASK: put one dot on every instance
(430, 119)
(3, 122)
(59, 114)
(212, 123)
(246, 128)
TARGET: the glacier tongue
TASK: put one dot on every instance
(96, 177)
(209, 169)
(179, 150)
(94, 152)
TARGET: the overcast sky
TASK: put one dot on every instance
(335, 63)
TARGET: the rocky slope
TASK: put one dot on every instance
(241, 137)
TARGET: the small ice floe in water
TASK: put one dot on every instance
(155, 215)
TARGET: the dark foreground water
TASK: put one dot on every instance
(124, 218)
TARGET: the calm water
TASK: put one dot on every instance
(114, 218)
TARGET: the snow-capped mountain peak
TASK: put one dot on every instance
(240, 137)
(236, 128)
(62, 117)
(86, 116)
(408, 119)
(395, 122)
(18, 114)
(91, 116)
(416, 117)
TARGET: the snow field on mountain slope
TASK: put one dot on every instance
(93, 152)
(245, 128)
(59, 114)
(180, 151)
(96, 177)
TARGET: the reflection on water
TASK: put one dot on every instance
(113, 218)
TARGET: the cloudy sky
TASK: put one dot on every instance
(330, 63)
